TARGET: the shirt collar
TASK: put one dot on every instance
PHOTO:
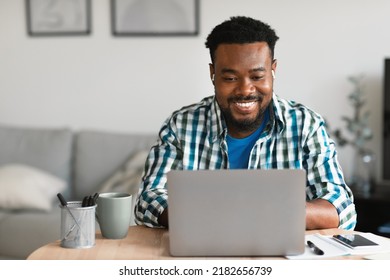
(276, 114)
(217, 122)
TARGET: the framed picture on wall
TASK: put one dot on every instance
(155, 17)
(58, 17)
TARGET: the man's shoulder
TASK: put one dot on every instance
(194, 118)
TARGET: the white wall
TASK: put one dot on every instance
(132, 84)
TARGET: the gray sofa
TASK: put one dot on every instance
(84, 159)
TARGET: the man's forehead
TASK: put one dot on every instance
(252, 57)
(227, 51)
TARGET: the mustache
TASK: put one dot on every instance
(248, 98)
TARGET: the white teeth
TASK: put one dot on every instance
(246, 104)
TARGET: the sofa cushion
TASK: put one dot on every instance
(48, 149)
(26, 187)
(128, 177)
(99, 155)
(22, 232)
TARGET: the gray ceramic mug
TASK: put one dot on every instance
(113, 214)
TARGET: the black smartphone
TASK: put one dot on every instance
(354, 241)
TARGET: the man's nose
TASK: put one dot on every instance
(246, 87)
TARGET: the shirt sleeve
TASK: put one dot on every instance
(152, 199)
(325, 176)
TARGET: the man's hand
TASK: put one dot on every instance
(163, 219)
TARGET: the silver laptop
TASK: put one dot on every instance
(236, 212)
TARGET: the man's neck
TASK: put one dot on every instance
(238, 133)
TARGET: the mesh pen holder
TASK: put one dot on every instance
(77, 225)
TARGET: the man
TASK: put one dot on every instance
(245, 125)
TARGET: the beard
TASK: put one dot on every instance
(248, 124)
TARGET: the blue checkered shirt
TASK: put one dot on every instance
(194, 137)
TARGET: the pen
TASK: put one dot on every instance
(90, 200)
(314, 247)
(64, 203)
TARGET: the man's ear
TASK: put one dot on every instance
(273, 66)
(212, 72)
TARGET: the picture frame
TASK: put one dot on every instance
(58, 17)
(155, 17)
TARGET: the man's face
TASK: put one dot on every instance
(243, 84)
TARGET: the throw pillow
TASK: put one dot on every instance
(128, 178)
(26, 187)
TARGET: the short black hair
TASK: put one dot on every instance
(241, 30)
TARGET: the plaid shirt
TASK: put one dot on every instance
(194, 137)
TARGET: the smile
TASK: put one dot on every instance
(245, 104)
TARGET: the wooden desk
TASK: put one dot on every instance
(141, 243)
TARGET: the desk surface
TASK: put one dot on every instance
(141, 243)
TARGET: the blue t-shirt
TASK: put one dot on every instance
(239, 149)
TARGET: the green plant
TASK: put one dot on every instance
(357, 125)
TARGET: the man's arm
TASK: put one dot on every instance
(329, 198)
(321, 214)
(153, 198)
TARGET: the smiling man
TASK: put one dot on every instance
(245, 125)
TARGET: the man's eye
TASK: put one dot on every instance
(257, 78)
(229, 79)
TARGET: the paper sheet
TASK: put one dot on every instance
(332, 248)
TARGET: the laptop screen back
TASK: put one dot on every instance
(236, 212)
